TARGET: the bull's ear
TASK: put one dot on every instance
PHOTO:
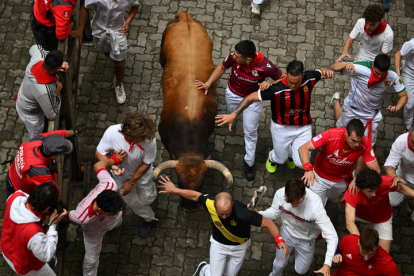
(173, 157)
(209, 157)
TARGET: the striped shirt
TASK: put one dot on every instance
(291, 107)
(84, 213)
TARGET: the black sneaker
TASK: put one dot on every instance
(248, 172)
(145, 229)
(199, 267)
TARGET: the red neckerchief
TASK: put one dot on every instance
(132, 144)
(408, 142)
(373, 79)
(257, 59)
(91, 211)
(38, 214)
(379, 30)
(40, 75)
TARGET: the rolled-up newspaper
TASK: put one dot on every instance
(258, 194)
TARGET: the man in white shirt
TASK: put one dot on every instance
(99, 212)
(25, 245)
(376, 36)
(109, 33)
(303, 218)
(401, 155)
(369, 81)
(407, 76)
(136, 136)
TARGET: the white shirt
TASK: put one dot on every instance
(365, 101)
(109, 13)
(370, 47)
(84, 214)
(407, 51)
(114, 140)
(402, 155)
(306, 221)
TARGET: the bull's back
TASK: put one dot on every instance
(186, 54)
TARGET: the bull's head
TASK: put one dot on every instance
(190, 171)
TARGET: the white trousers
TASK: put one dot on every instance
(93, 246)
(287, 141)
(259, 2)
(325, 188)
(225, 260)
(348, 115)
(34, 122)
(251, 117)
(408, 78)
(141, 196)
(304, 251)
(46, 270)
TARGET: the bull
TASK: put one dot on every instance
(187, 119)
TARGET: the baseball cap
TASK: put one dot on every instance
(55, 144)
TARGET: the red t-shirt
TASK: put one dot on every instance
(336, 160)
(353, 264)
(245, 79)
(377, 209)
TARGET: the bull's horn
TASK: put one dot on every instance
(212, 164)
(171, 164)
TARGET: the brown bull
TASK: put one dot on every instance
(187, 119)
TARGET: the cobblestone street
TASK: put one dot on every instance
(312, 31)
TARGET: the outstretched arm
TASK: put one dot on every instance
(169, 188)
(274, 231)
(229, 118)
(217, 73)
(345, 51)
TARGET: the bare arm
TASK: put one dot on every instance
(229, 118)
(309, 175)
(350, 219)
(338, 66)
(398, 63)
(217, 73)
(400, 104)
(83, 16)
(374, 165)
(405, 190)
(345, 50)
(274, 231)
(304, 151)
(169, 188)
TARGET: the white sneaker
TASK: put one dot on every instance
(120, 94)
(336, 96)
(255, 8)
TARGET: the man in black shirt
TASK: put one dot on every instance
(231, 222)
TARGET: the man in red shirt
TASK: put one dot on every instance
(50, 22)
(361, 255)
(32, 164)
(249, 70)
(291, 119)
(372, 204)
(334, 164)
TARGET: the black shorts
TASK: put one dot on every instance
(45, 36)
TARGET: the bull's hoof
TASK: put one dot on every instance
(189, 210)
